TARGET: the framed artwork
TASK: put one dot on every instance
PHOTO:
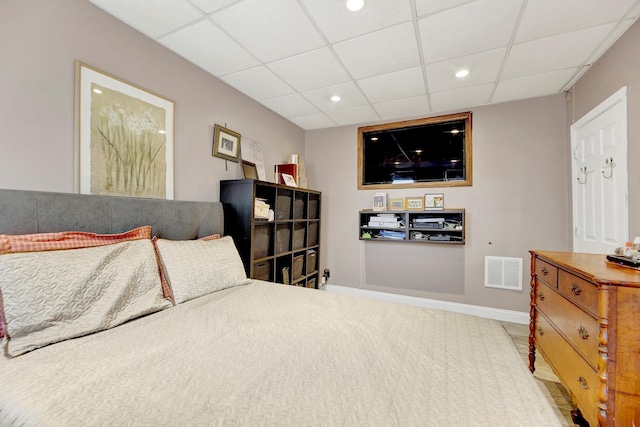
(433, 201)
(414, 203)
(397, 204)
(249, 170)
(380, 202)
(252, 152)
(124, 141)
(289, 180)
(226, 144)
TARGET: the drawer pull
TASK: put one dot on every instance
(540, 331)
(541, 296)
(583, 383)
(575, 289)
(545, 271)
(583, 332)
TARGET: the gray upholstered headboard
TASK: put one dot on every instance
(26, 212)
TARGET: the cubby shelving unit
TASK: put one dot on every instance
(285, 249)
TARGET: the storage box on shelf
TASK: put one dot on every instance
(285, 249)
(446, 226)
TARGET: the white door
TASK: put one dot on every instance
(600, 182)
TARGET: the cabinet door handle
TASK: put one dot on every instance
(583, 383)
(575, 289)
(582, 331)
(540, 331)
(541, 296)
(544, 271)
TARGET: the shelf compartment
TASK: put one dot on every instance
(262, 241)
(283, 238)
(262, 270)
(299, 231)
(283, 204)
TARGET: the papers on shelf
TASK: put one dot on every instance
(261, 209)
(388, 234)
(385, 221)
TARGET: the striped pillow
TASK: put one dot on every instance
(40, 242)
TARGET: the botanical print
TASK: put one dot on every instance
(128, 145)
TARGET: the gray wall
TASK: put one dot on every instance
(518, 201)
(39, 42)
(618, 67)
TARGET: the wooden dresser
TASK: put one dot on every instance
(585, 321)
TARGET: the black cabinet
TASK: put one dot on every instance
(276, 229)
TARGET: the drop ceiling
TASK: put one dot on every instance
(392, 60)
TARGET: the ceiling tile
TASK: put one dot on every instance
(338, 23)
(313, 121)
(461, 98)
(468, 29)
(567, 16)
(483, 68)
(352, 115)
(290, 105)
(381, 52)
(152, 17)
(311, 70)
(553, 53)
(259, 83)
(428, 7)
(400, 84)
(271, 30)
(532, 86)
(406, 107)
(215, 52)
(350, 94)
(209, 6)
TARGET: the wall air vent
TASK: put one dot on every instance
(503, 272)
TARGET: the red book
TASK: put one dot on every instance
(289, 169)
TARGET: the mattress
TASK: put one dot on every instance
(268, 354)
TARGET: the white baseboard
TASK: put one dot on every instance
(475, 310)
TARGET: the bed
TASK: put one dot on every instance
(245, 353)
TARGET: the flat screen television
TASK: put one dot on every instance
(432, 152)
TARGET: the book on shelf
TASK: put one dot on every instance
(385, 224)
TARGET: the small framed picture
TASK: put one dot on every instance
(288, 180)
(397, 204)
(433, 201)
(226, 144)
(414, 203)
(249, 170)
(380, 202)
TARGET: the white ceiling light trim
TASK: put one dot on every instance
(355, 5)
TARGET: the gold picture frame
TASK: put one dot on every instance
(226, 144)
(414, 203)
(397, 204)
(124, 137)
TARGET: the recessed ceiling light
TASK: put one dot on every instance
(355, 5)
(336, 98)
(462, 73)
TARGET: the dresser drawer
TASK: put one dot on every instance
(546, 272)
(578, 290)
(579, 327)
(581, 380)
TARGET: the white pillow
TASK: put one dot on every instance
(56, 295)
(195, 268)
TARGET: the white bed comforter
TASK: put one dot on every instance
(271, 355)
